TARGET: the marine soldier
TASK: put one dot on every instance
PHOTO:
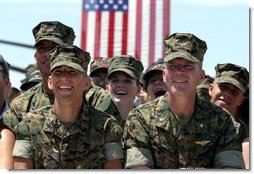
(179, 130)
(227, 91)
(99, 71)
(154, 84)
(123, 83)
(69, 134)
(48, 35)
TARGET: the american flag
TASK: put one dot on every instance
(133, 27)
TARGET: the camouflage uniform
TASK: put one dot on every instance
(93, 139)
(155, 136)
(90, 141)
(239, 77)
(37, 97)
(129, 65)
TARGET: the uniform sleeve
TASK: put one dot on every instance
(23, 145)
(113, 146)
(229, 150)
(136, 142)
(11, 118)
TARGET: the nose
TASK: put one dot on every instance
(158, 81)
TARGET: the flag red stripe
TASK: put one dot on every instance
(84, 30)
(152, 32)
(111, 34)
(125, 33)
(138, 29)
(166, 17)
(97, 38)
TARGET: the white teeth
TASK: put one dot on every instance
(121, 92)
(65, 87)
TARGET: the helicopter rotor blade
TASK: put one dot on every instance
(14, 68)
(16, 44)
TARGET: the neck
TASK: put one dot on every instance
(183, 106)
(124, 109)
(67, 111)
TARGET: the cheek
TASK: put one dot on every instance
(110, 88)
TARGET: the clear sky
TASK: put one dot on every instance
(223, 24)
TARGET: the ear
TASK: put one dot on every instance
(87, 82)
(138, 90)
(210, 89)
(201, 76)
(50, 83)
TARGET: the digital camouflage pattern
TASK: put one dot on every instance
(101, 100)
(37, 97)
(86, 144)
(71, 56)
(155, 137)
(127, 64)
(33, 76)
(157, 66)
(203, 88)
(233, 74)
(206, 82)
(99, 64)
(186, 46)
(53, 31)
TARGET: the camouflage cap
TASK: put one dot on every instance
(233, 74)
(4, 65)
(186, 46)
(206, 82)
(69, 55)
(127, 64)
(100, 63)
(33, 76)
(157, 66)
(54, 31)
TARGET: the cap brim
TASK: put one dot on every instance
(149, 73)
(99, 68)
(69, 64)
(127, 71)
(24, 86)
(53, 39)
(231, 81)
(177, 54)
